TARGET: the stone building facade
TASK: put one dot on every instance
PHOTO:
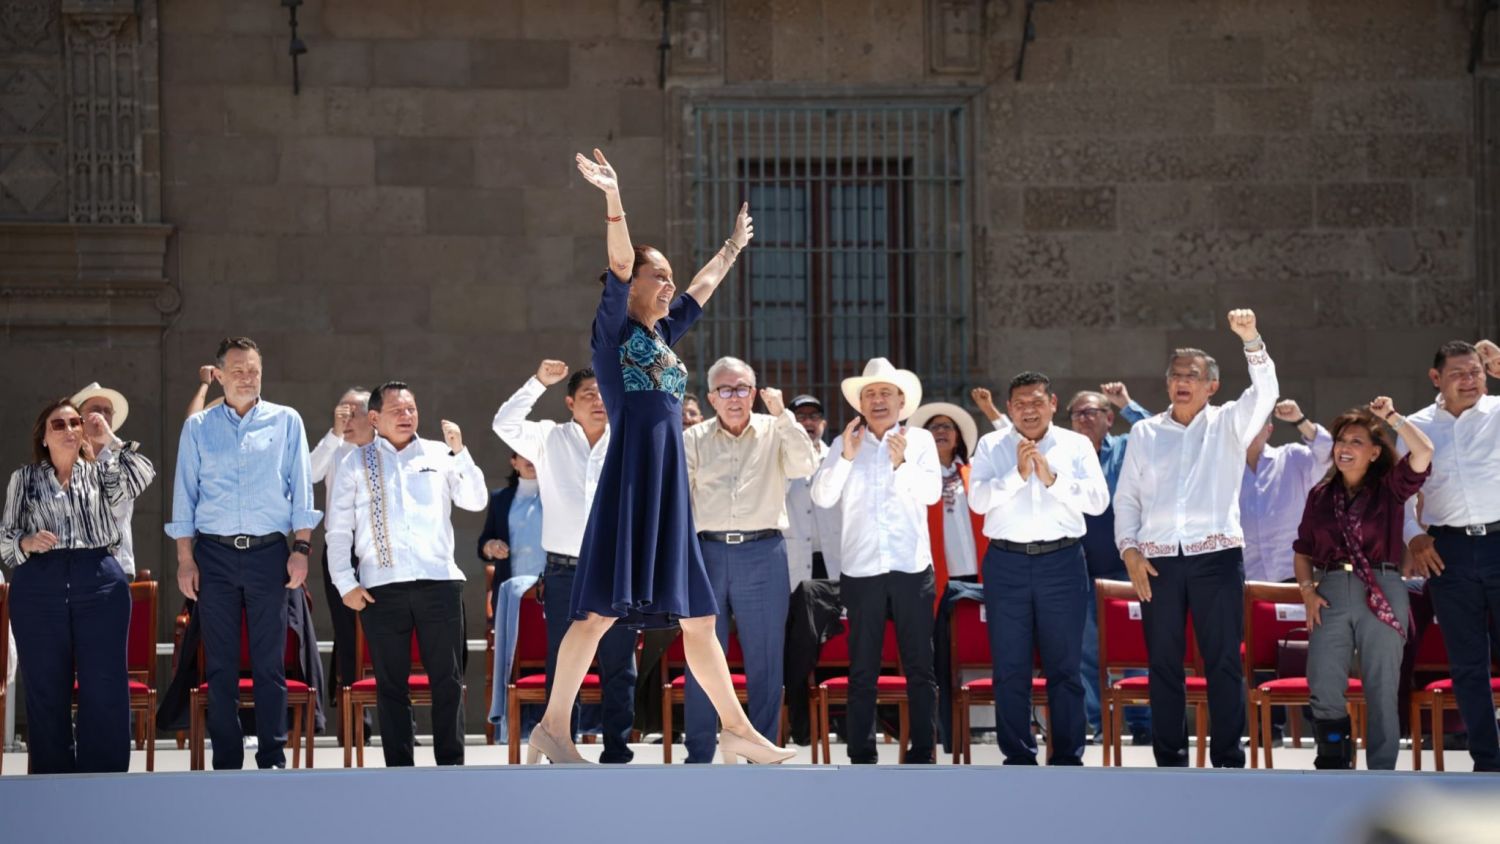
(413, 210)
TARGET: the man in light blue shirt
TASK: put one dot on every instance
(243, 484)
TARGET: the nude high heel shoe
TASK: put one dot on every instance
(734, 745)
(542, 743)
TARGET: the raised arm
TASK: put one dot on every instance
(617, 237)
(1416, 444)
(1254, 406)
(707, 280)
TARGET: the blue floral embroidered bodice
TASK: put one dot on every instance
(648, 363)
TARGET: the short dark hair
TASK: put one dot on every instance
(576, 380)
(642, 256)
(1028, 378)
(1452, 349)
(39, 451)
(377, 395)
(244, 343)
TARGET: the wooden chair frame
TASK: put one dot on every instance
(822, 696)
(356, 699)
(966, 695)
(671, 695)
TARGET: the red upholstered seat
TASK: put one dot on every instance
(416, 682)
(1137, 684)
(539, 681)
(986, 685)
(136, 688)
(247, 684)
(680, 681)
(884, 683)
(1298, 685)
(1446, 686)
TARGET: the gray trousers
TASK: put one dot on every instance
(1349, 626)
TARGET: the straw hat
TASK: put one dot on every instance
(882, 371)
(116, 399)
(967, 428)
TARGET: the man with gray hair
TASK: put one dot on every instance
(738, 465)
(351, 429)
(1177, 525)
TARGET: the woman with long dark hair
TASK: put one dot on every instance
(69, 597)
(1348, 564)
(640, 564)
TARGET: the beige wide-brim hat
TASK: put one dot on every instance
(882, 371)
(967, 427)
(116, 399)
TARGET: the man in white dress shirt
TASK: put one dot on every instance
(1459, 552)
(1034, 484)
(351, 429)
(568, 457)
(1274, 492)
(812, 539)
(883, 476)
(1177, 525)
(391, 509)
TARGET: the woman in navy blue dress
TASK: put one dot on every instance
(640, 564)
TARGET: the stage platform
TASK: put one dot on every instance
(656, 803)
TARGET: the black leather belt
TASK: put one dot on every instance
(1033, 549)
(242, 542)
(1345, 565)
(735, 537)
(561, 560)
(1467, 530)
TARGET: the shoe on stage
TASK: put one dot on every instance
(542, 743)
(734, 745)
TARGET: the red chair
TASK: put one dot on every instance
(674, 687)
(890, 688)
(531, 657)
(1436, 697)
(301, 699)
(362, 693)
(4, 655)
(1122, 645)
(140, 663)
(969, 648)
(1272, 612)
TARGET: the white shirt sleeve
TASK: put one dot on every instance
(340, 526)
(324, 456)
(828, 481)
(512, 426)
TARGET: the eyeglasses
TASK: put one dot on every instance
(65, 424)
(739, 392)
(1086, 413)
(941, 426)
(804, 415)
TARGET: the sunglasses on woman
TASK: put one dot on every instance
(65, 424)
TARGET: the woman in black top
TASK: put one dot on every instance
(69, 598)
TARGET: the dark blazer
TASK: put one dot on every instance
(497, 526)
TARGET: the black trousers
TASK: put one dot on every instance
(433, 609)
(907, 599)
(70, 610)
(249, 585)
(1210, 587)
(344, 664)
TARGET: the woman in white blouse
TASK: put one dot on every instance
(69, 598)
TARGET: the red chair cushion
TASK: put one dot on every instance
(1135, 684)
(417, 683)
(137, 688)
(885, 683)
(680, 681)
(1446, 686)
(247, 684)
(539, 681)
(987, 684)
(1298, 685)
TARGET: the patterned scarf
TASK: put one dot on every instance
(953, 481)
(375, 485)
(1349, 521)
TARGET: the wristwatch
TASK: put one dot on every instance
(301, 546)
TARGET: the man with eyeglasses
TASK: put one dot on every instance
(738, 465)
(1459, 551)
(1092, 414)
(1177, 525)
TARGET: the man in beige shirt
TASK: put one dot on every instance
(738, 465)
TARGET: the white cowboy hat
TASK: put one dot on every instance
(967, 428)
(882, 371)
(116, 399)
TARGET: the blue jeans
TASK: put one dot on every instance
(1037, 603)
(616, 657)
(1467, 600)
(750, 582)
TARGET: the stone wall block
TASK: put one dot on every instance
(1364, 205)
(520, 64)
(1419, 156)
(375, 112)
(1270, 206)
(1069, 209)
(328, 161)
(421, 64)
(468, 211)
(429, 162)
(1262, 110)
(1225, 60)
(377, 210)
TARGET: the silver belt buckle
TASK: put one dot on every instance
(1477, 530)
(1031, 549)
(242, 542)
(734, 538)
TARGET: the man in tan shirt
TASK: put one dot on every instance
(738, 466)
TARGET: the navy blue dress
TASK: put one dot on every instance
(640, 561)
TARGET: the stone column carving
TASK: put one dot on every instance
(32, 123)
(955, 37)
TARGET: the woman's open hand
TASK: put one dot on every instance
(598, 172)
